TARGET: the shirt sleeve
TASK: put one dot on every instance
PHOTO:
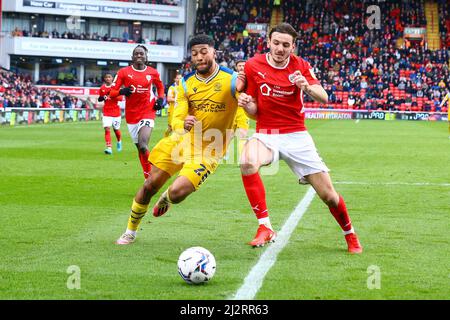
(251, 84)
(159, 85)
(180, 110)
(171, 92)
(117, 84)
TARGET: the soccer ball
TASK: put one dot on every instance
(196, 265)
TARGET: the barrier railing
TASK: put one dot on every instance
(17, 116)
(374, 114)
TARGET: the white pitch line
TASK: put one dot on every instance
(254, 280)
(419, 184)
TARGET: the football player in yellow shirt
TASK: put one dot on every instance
(447, 99)
(171, 98)
(241, 122)
(202, 122)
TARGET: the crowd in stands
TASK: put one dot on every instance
(365, 69)
(444, 22)
(226, 21)
(360, 67)
(17, 91)
(85, 36)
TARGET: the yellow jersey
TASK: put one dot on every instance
(173, 90)
(447, 98)
(213, 101)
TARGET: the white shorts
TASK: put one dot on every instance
(297, 149)
(134, 128)
(112, 122)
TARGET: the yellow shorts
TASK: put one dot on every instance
(241, 120)
(196, 169)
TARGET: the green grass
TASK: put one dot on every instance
(63, 203)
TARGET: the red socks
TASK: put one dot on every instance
(108, 138)
(341, 215)
(118, 135)
(256, 194)
(146, 166)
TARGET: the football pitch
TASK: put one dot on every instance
(63, 203)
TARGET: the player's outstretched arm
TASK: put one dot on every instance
(171, 94)
(315, 91)
(159, 86)
(249, 104)
(160, 102)
(117, 89)
(241, 82)
(444, 100)
(180, 111)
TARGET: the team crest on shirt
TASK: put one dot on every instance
(292, 76)
(148, 77)
(218, 87)
(194, 89)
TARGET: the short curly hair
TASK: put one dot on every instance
(201, 39)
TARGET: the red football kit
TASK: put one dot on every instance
(111, 107)
(280, 126)
(279, 100)
(139, 105)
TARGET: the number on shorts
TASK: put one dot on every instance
(202, 172)
(144, 123)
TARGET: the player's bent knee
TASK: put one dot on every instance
(150, 188)
(142, 148)
(179, 194)
(249, 167)
(330, 197)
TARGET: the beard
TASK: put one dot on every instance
(279, 58)
(206, 69)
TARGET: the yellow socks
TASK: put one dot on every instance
(138, 211)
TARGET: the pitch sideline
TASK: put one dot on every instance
(254, 280)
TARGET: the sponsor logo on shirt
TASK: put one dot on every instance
(218, 87)
(276, 91)
(207, 105)
(265, 89)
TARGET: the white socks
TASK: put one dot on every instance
(266, 222)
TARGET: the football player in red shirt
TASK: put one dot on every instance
(141, 105)
(274, 96)
(111, 113)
